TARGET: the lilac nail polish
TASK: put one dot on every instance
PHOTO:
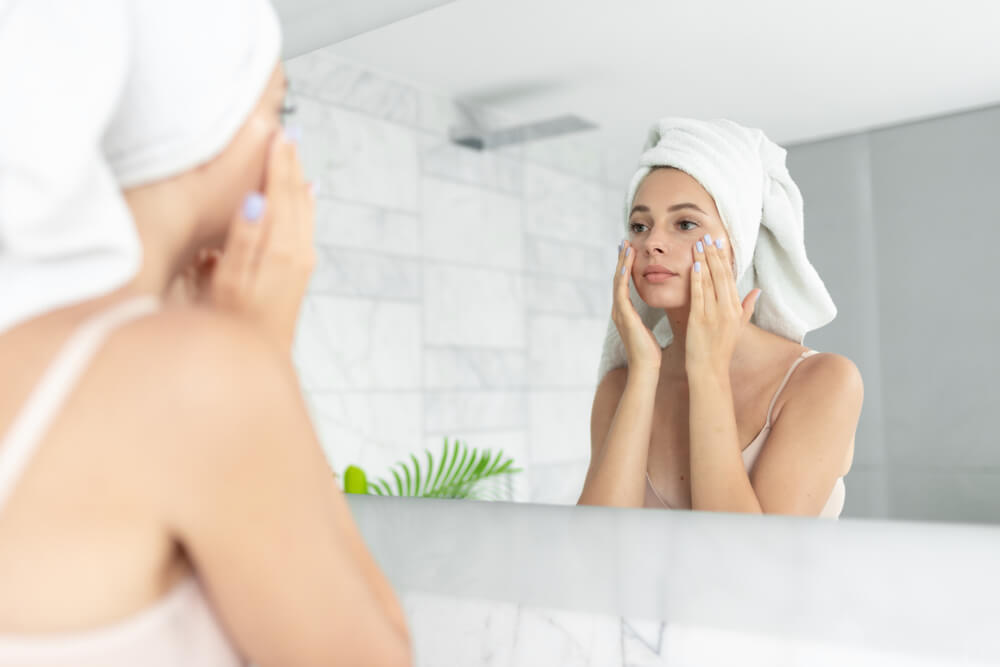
(718, 243)
(628, 252)
(697, 267)
(253, 206)
(708, 239)
(293, 134)
(623, 270)
(701, 248)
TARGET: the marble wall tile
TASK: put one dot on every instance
(342, 224)
(643, 643)
(557, 483)
(325, 77)
(560, 207)
(474, 368)
(451, 632)
(559, 425)
(569, 639)
(357, 158)
(442, 158)
(460, 411)
(580, 154)
(548, 294)
(564, 352)
(346, 343)
(348, 272)
(569, 261)
(470, 225)
(370, 429)
(471, 306)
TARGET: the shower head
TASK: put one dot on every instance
(481, 139)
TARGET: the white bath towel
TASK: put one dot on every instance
(103, 95)
(761, 209)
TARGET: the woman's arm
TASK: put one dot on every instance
(620, 424)
(807, 446)
(622, 416)
(807, 449)
(246, 489)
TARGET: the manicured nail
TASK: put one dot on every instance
(701, 248)
(253, 206)
(628, 252)
(697, 267)
(623, 270)
(293, 134)
(708, 239)
(718, 243)
(621, 244)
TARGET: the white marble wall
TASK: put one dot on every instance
(458, 293)
(449, 631)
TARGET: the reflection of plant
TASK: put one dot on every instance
(460, 473)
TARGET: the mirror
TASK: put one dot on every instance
(472, 164)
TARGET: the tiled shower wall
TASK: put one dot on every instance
(458, 293)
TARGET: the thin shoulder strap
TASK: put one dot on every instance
(62, 375)
(788, 375)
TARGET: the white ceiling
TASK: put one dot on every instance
(799, 69)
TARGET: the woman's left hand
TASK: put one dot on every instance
(717, 317)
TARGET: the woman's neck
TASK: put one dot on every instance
(672, 363)
(167, 230)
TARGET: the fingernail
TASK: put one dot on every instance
(621, 244)
(628, 252)
(293, 134)
(623, 270)
(253, 206)
(718, 243)
(701, 248)
(697, 267)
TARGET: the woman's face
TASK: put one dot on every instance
(671, 211)
(227, 179)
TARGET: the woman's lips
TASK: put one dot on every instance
(658, 274)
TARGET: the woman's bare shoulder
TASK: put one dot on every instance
(187, 382)
(822, 377)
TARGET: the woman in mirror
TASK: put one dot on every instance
(708, 399)
(163, 496)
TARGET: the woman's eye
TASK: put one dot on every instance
(637, 227)
(687, 222)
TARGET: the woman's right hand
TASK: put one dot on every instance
(264, 269)
(641, 347)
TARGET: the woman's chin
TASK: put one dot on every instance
(663, 299)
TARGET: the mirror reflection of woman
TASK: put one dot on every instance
(708, 399)
(164, 499)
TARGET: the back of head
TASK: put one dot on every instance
(110, 94)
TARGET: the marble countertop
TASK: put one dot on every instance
(930, 589)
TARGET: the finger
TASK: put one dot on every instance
(750, 304)
(621, 273)
(697, 287)
(703, 249)
(722, 276)
(281, 180)
(243, 245)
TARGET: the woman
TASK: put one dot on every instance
(163, 497)
(719, 406)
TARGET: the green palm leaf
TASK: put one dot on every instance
(461, 472)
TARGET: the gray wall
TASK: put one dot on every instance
(902, 226)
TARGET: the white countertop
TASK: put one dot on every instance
(912, 587)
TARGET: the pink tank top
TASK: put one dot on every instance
(180, 628)
(834, 504)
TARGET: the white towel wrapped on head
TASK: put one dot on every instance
(104, 95)
(761, 209)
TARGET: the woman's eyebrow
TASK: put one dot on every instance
(676, 207)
